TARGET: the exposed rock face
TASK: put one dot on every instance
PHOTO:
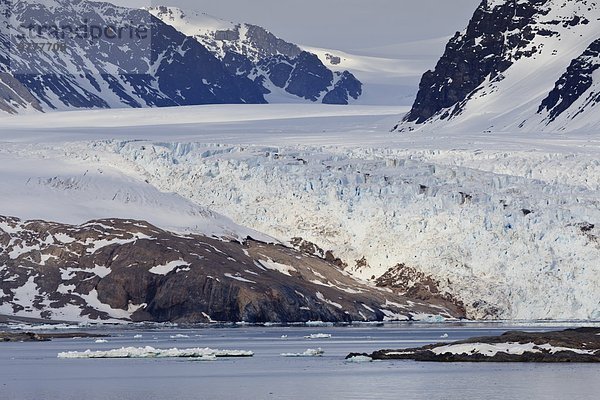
(258, 43)
(496, 36)
(417, 285)
(130, 270)
(499, 73)
(574, 83)
(308, 77)
(14, 96)
(345, 88)
(312, 249)
(571, 345)
(165, 68)
(252, 51)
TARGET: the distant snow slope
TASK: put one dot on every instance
(386, 81)
(53, 184)
(519, 65)
(510, 224)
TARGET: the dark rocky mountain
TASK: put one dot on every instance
(279, 67)
(472, 56)
(133, 271)
(304, 76)
(87, 64)
(499, 73)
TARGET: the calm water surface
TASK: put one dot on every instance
(32, 371)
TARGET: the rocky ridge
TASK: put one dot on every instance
(157, 68)
(281, 68)
(111, 270)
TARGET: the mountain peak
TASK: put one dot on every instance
(105, 56)
(496, 73)
(221, 36)
(285, 71)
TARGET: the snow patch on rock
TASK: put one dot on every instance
(169, 267)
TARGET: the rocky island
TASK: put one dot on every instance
(580, 345)
(44, 337)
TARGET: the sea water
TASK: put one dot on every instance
(32, 371)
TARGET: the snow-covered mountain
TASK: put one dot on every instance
(84, 63)
(284, 70)
(222, 37)
(519, 65)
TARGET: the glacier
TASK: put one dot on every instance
(512, 233)
(508, 224)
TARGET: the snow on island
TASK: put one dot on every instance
(150, 352)
(490, 350)
(571, 345)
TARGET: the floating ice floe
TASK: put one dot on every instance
(359, 359)
(138, 336)
(318, 323)
(318, 336)
(179, 336)
(151, 352)
(444, 336)
(101, 341)
(308, 353)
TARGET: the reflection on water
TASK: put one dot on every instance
(32, 371)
